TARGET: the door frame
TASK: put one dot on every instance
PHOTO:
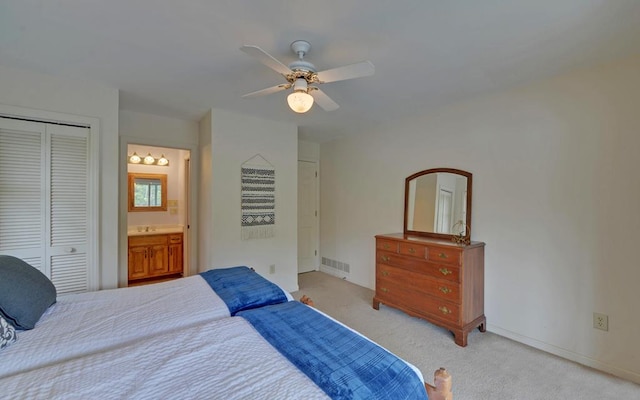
(316, 261)
(191, 233)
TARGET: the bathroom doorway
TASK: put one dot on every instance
(158, 210)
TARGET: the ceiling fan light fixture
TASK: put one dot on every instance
(300, 101)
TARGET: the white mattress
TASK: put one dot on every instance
(224, 359)
(91, 322)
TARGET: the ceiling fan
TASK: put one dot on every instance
(304, 78)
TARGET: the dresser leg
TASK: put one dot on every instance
(460, 338)
(376, 304)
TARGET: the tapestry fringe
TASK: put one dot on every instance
(257, 232)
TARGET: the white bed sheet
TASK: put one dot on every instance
(90, 322)
(224, 359)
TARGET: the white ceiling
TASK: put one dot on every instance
(181, 58)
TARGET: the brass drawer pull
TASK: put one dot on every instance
(442, 255)
(444, 310)
(386, 246)
(385, 258)
(384, 289)
(445, 289)
(385, 273)
(412, 250)
(445, 271)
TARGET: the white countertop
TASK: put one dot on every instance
(154, 230)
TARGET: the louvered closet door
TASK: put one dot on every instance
(44, 200)
(68, 213)
(22, 190)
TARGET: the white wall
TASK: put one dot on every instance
(555, 198)
(205, 193)
(86, 99)
(231, 140)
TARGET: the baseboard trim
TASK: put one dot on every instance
(333, 272)
(569, 355)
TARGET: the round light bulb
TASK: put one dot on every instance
(135, 158)
(149, 159)
(300, 101)
(163, 161)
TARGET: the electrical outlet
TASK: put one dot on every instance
(272, 269)
(601, 321)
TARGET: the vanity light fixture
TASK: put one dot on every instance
(148, 160)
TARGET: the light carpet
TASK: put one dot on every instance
(490, 367)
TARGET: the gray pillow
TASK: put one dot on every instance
(25, 292)
(7, 333)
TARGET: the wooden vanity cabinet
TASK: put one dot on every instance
(152, 256)
(175, 253)
(432, 279)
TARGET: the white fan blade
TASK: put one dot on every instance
(323, 100)
(357, 70)
(270, 90)
(266, 59)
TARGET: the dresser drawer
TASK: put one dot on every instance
(175, 238)
(147, 240)
(418, 282)
(387, 245)
(411, 299)
(443, 255)
(413, 250)
(448, 272)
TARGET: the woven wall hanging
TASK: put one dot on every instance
(258, 198)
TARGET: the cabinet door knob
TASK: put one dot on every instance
(445, 271)
(445, 289)
(444, 310)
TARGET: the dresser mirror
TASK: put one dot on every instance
(147, 192)
(437, 203)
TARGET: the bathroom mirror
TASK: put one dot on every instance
(437, 203)
(147, 192)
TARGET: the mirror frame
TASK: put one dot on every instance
(435, 235)
(163, 181)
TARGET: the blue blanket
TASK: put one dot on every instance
(242, 288)
(343, 364)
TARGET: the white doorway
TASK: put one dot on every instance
(308, 226)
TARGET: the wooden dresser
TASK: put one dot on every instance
(432, 279)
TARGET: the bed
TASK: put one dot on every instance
(168, 344)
